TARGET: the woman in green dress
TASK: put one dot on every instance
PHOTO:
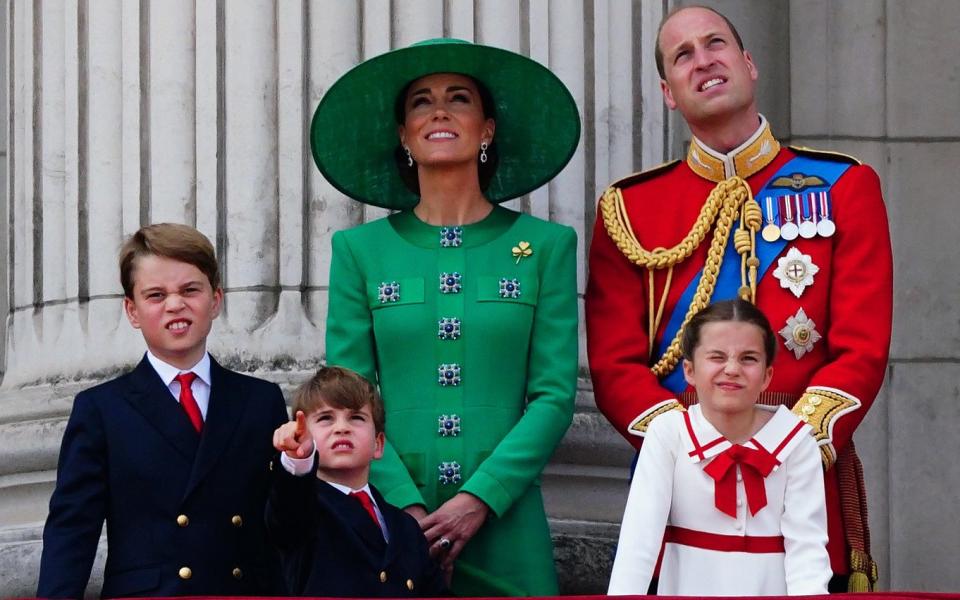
(463, 312)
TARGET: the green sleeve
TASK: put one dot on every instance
(551, 386)
(350, 343)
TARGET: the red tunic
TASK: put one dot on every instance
(850, 303)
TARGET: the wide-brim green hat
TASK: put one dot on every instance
(354, 132)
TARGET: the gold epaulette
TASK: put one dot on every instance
(636, 178)
(821, 408)
(826, 155)
(639, 425)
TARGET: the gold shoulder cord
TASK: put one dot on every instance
(722, 208)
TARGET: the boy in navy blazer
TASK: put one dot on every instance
(337, 535)
(174, 455)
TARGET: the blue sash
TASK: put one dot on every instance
(728, 279)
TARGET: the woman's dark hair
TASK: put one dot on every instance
(485, 170)
(737, 310)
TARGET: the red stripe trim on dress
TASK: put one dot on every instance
(758, 445)
(693, 438)
(789, 437)
(754, 544)
(715, 442)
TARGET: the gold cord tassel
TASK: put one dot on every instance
(863, 572)
(752, 221)
(729, 201)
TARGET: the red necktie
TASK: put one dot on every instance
(188, 402)
(754, 466)
(367, 503)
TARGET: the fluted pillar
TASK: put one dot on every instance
(124, 113)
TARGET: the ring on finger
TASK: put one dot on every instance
(445, 543)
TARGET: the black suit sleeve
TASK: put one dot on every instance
(279, 408)
(78, 505)
(291, 512)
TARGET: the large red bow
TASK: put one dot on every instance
(754, 466)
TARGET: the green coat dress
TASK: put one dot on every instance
(474, 346)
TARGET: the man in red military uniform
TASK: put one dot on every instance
(801, 233)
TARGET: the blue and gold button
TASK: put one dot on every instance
(450, 283)
(388, 292)
(448, 374)
(448, 425)
(451, 237)
(449, 473)
(509, 288)
(448, 328)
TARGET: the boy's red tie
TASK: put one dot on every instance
(367, 503)
(188, 402)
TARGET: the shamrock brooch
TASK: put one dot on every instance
(522, 250)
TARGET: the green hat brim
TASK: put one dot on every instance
(353, 135)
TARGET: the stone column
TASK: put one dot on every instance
(124, 113)
(880, 80)
(842, 65)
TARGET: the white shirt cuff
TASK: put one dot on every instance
(298, 466)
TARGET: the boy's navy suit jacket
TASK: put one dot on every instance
(184, 511)
(331, 547)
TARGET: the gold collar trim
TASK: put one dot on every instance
(745, 160)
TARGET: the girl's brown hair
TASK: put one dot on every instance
(736, 310)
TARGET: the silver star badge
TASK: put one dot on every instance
(795, 271)
(800, 334)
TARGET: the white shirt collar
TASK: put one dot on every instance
(346, 489)
(168, 372)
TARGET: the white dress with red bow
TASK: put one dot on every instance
(737, 520)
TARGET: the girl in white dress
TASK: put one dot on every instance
(734, 489)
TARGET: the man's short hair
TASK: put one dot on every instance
(658, 53)
(168, 240)
(339, 387)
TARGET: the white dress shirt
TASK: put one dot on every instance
(200, 385)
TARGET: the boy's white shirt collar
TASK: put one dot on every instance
(201, 385)
(168, 372)
(346, 489)
(302, 466)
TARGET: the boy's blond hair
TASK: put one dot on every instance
(168, 240)
(339, 387)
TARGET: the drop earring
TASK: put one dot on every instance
(409, 157)
(483, 151)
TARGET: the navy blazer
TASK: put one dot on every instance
(330, 546)
(184, 511)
